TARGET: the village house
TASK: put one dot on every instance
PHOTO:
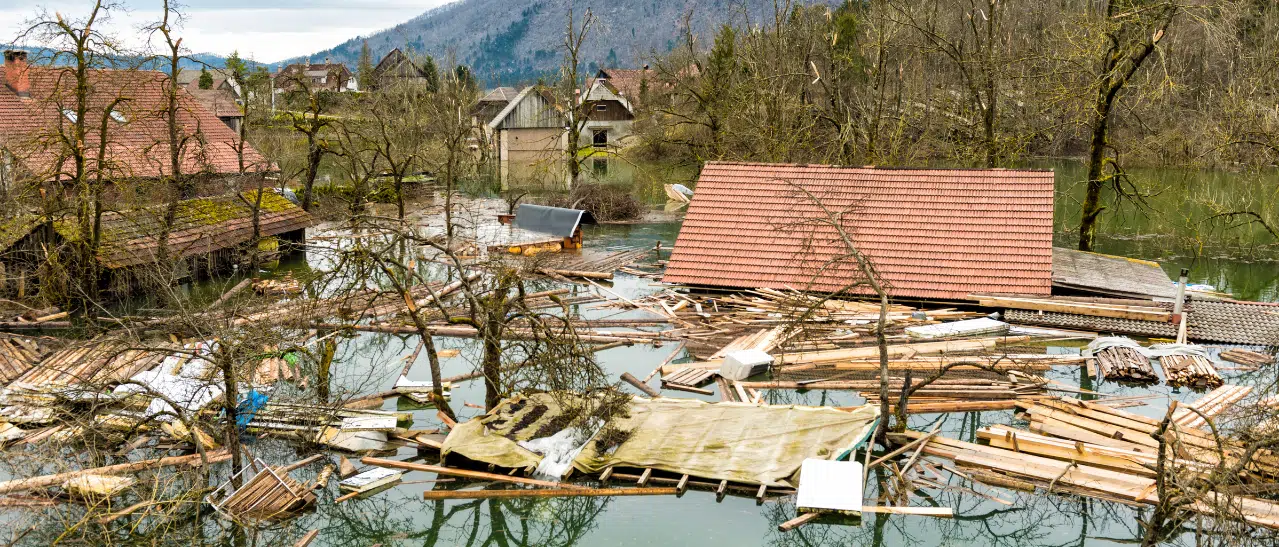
(222, 99)
(334, 77)
(609, 116)
(630, 83)
(397, 66)
(529, 137)
(34, 116)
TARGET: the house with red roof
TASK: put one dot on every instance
(930, 234)
(126, 117)
(126, 143)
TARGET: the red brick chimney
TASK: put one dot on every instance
(15, 73)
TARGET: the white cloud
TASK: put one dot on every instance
(266, 30)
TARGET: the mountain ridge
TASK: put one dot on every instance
(515, 41)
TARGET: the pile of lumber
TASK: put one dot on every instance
(1247, 358)
(1190, 371)
(1077, 447)
(944, 391)
(1125, 364)
(1211, 405)
(1089, 422)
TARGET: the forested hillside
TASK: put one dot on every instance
(509, 41)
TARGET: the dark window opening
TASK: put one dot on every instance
(601, 107)
(600, 138)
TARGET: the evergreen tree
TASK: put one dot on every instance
(431, 73)
(465, 77)
(364, 70)
(236, 67)
(206, 79)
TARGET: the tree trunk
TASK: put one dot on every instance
(1092, 207)
(230, 400)
(491, 366)
(313, 156)
(322, 371)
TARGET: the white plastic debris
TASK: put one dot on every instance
(740, 365)
(830, 486)
(968, 327)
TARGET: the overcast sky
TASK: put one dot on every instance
(265, 30)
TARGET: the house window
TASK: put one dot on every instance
(601, 107)
(600, 138)
(600, 167)
(70, 114)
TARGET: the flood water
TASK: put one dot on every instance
(1242, 264)
(368, 363)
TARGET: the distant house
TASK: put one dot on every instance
(931, 234)
(492, 103)
(34, 111)
(628, 83)
(329, 76)
(221, 100)
(397, 66)
(528, 136)
(608, 115)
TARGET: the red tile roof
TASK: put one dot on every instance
(136, 147)
(930, 233)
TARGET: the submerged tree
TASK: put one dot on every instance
(1130, 30)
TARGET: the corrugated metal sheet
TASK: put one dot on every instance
(930, 233)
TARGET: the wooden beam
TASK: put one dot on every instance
(545, 493)
(466, 473)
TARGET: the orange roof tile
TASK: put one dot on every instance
(930, 233)
(136, 147)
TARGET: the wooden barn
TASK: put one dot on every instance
(529, 136)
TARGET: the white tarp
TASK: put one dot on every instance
(967, 327)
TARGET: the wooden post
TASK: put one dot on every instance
(632, 380)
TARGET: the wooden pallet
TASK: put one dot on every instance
(692, 377)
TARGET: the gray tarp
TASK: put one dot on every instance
(739, 442)
(556, 221)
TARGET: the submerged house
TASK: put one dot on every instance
(207, 236)
(529, 137)
(609, 116)
(931, 234)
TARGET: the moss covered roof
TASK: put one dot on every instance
(200, 226)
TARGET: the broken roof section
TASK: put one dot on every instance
(737, 442)
(556, 221)
(930, 233)
(201, 226)
(1095, 273)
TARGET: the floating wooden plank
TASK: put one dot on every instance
(545, 493)
(1212, 404)
(1137, 313)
